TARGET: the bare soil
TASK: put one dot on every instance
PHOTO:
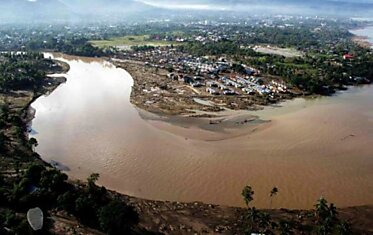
(154, 92)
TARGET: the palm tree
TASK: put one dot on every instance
(273, 193)
(322, 209)
(247, 194)
(333, 211)
(92, 179)
(33, 143)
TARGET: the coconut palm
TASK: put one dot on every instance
(248, 194)
(333, 211)
(322, 209)
(273, 193)
(33, 143)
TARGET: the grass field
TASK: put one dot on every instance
(128, 41)
(287, 52)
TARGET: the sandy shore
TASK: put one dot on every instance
(362, 41)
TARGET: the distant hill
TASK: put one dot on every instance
(30, 11)
(314, 7)
(33, 10)
(106, 7)
(90, 10)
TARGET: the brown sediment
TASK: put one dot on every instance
(151, 91)
(154, 92)
(362, 41)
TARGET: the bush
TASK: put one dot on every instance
(117, 218)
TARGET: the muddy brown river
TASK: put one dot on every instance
(310, 148)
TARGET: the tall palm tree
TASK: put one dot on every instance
(322, 209)
(273, 193)
(247, 194)
(333, 211)
(33, 143)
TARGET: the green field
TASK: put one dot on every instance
(128, 41)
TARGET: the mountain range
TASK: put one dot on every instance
(76, 10)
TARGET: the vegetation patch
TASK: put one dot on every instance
(127, 42)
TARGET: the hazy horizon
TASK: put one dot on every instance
(117, 10)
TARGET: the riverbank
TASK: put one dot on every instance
(362, 41)
(18, 103)
(361, 37)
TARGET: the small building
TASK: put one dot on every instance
(348, 57)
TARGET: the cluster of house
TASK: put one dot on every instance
(234, 85)
(198, 65)
(218, 77)
(178, 61)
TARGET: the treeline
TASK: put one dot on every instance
(210, 48)
(21, 70)
(48, 189)
(71, 46)
(323, 220)
(142, 48)
(320, 71)
(306, 36)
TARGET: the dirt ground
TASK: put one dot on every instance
(154, 92)
(163, 217)
(362, 41)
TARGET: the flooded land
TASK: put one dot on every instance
(306, 148)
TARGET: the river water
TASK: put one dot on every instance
(310, 148)
(365, 32)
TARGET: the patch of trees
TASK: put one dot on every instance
(210, 48)
(48, 188)
(78, 46)
(319, 73)
(142, 48)
(21, 71)
(323, 220)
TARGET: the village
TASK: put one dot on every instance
(201, 83)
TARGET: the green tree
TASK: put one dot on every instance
(92, 179)
(33, 143)
(322, 209)
(117, 218)
(273, 193)
(247, 194)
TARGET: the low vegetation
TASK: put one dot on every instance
(322, 220)
(131, 41)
